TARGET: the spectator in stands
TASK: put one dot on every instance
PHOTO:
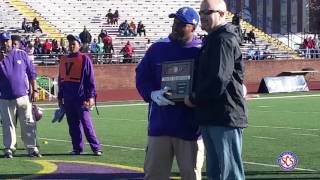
(86, 38)
(102, 34)
(115, 17)
(47, 47)
(108, 48)
(14, 100)
(141, 29)
(93, 46)
(258, 55)
(172, 132)
(251, 53)
(236, 23)
(218, 96)
(38, 47)
(36, 25)
(127, 52)
(252, 37)
(100, 51)
(25, 26)
(307, 47)
(107, 40)
(109, 16)
(236, 19)
(93, 50)
(267, 54)
(77, 95)
(133, 28)
(63, 46)
(245, 36)
(147, 45)
(124, 28)
(55, 46)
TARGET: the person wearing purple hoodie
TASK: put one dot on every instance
(171, 130)
(77, 96)
(14, 100)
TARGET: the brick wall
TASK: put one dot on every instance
(117, 81)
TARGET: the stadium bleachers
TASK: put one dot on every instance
(69, 17)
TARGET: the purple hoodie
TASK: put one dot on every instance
(14, 68)
(174, 121)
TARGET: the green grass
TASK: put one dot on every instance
(275, 125)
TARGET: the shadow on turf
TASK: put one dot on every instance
(113, 176)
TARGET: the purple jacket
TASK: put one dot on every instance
(175, 121)
(14, 68)
(76, 83)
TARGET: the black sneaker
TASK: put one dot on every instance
(35, 154)
(8, 154)
(97, 153)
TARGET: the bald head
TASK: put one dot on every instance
(217, 4)
(212, 13)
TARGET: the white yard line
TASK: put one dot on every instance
(314, 135)
(108, 105)
(286, 97)
(272, 165)
(291, 128)
(105, 145)
(262, 137)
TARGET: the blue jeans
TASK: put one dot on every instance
(223, 146)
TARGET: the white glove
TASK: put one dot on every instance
(157, 97)
(244, 89)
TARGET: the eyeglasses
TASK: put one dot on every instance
(208, 11)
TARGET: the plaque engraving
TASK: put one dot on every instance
(177, 77)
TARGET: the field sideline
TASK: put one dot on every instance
(277, 123)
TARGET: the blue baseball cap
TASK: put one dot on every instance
(71, 37)
(187, 15)
(5, 36)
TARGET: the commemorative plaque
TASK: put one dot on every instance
(177, 77)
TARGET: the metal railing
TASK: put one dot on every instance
(97, 58)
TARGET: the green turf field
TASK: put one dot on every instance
(276, 124)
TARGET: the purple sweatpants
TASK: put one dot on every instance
(78, 119)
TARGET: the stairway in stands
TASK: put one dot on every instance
(30, 14)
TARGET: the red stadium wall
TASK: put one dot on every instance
(116, 82)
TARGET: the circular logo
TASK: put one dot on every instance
(287, 161)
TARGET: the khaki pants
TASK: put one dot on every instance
(160, 154)
(21, 108)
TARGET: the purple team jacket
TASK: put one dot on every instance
(175, 121)
(14, 68)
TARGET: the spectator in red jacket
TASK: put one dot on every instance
(127, 52)
(108, 47)
(47, 47)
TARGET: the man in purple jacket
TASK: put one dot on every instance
(77, 96)
(171, 131)
(14, 99)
